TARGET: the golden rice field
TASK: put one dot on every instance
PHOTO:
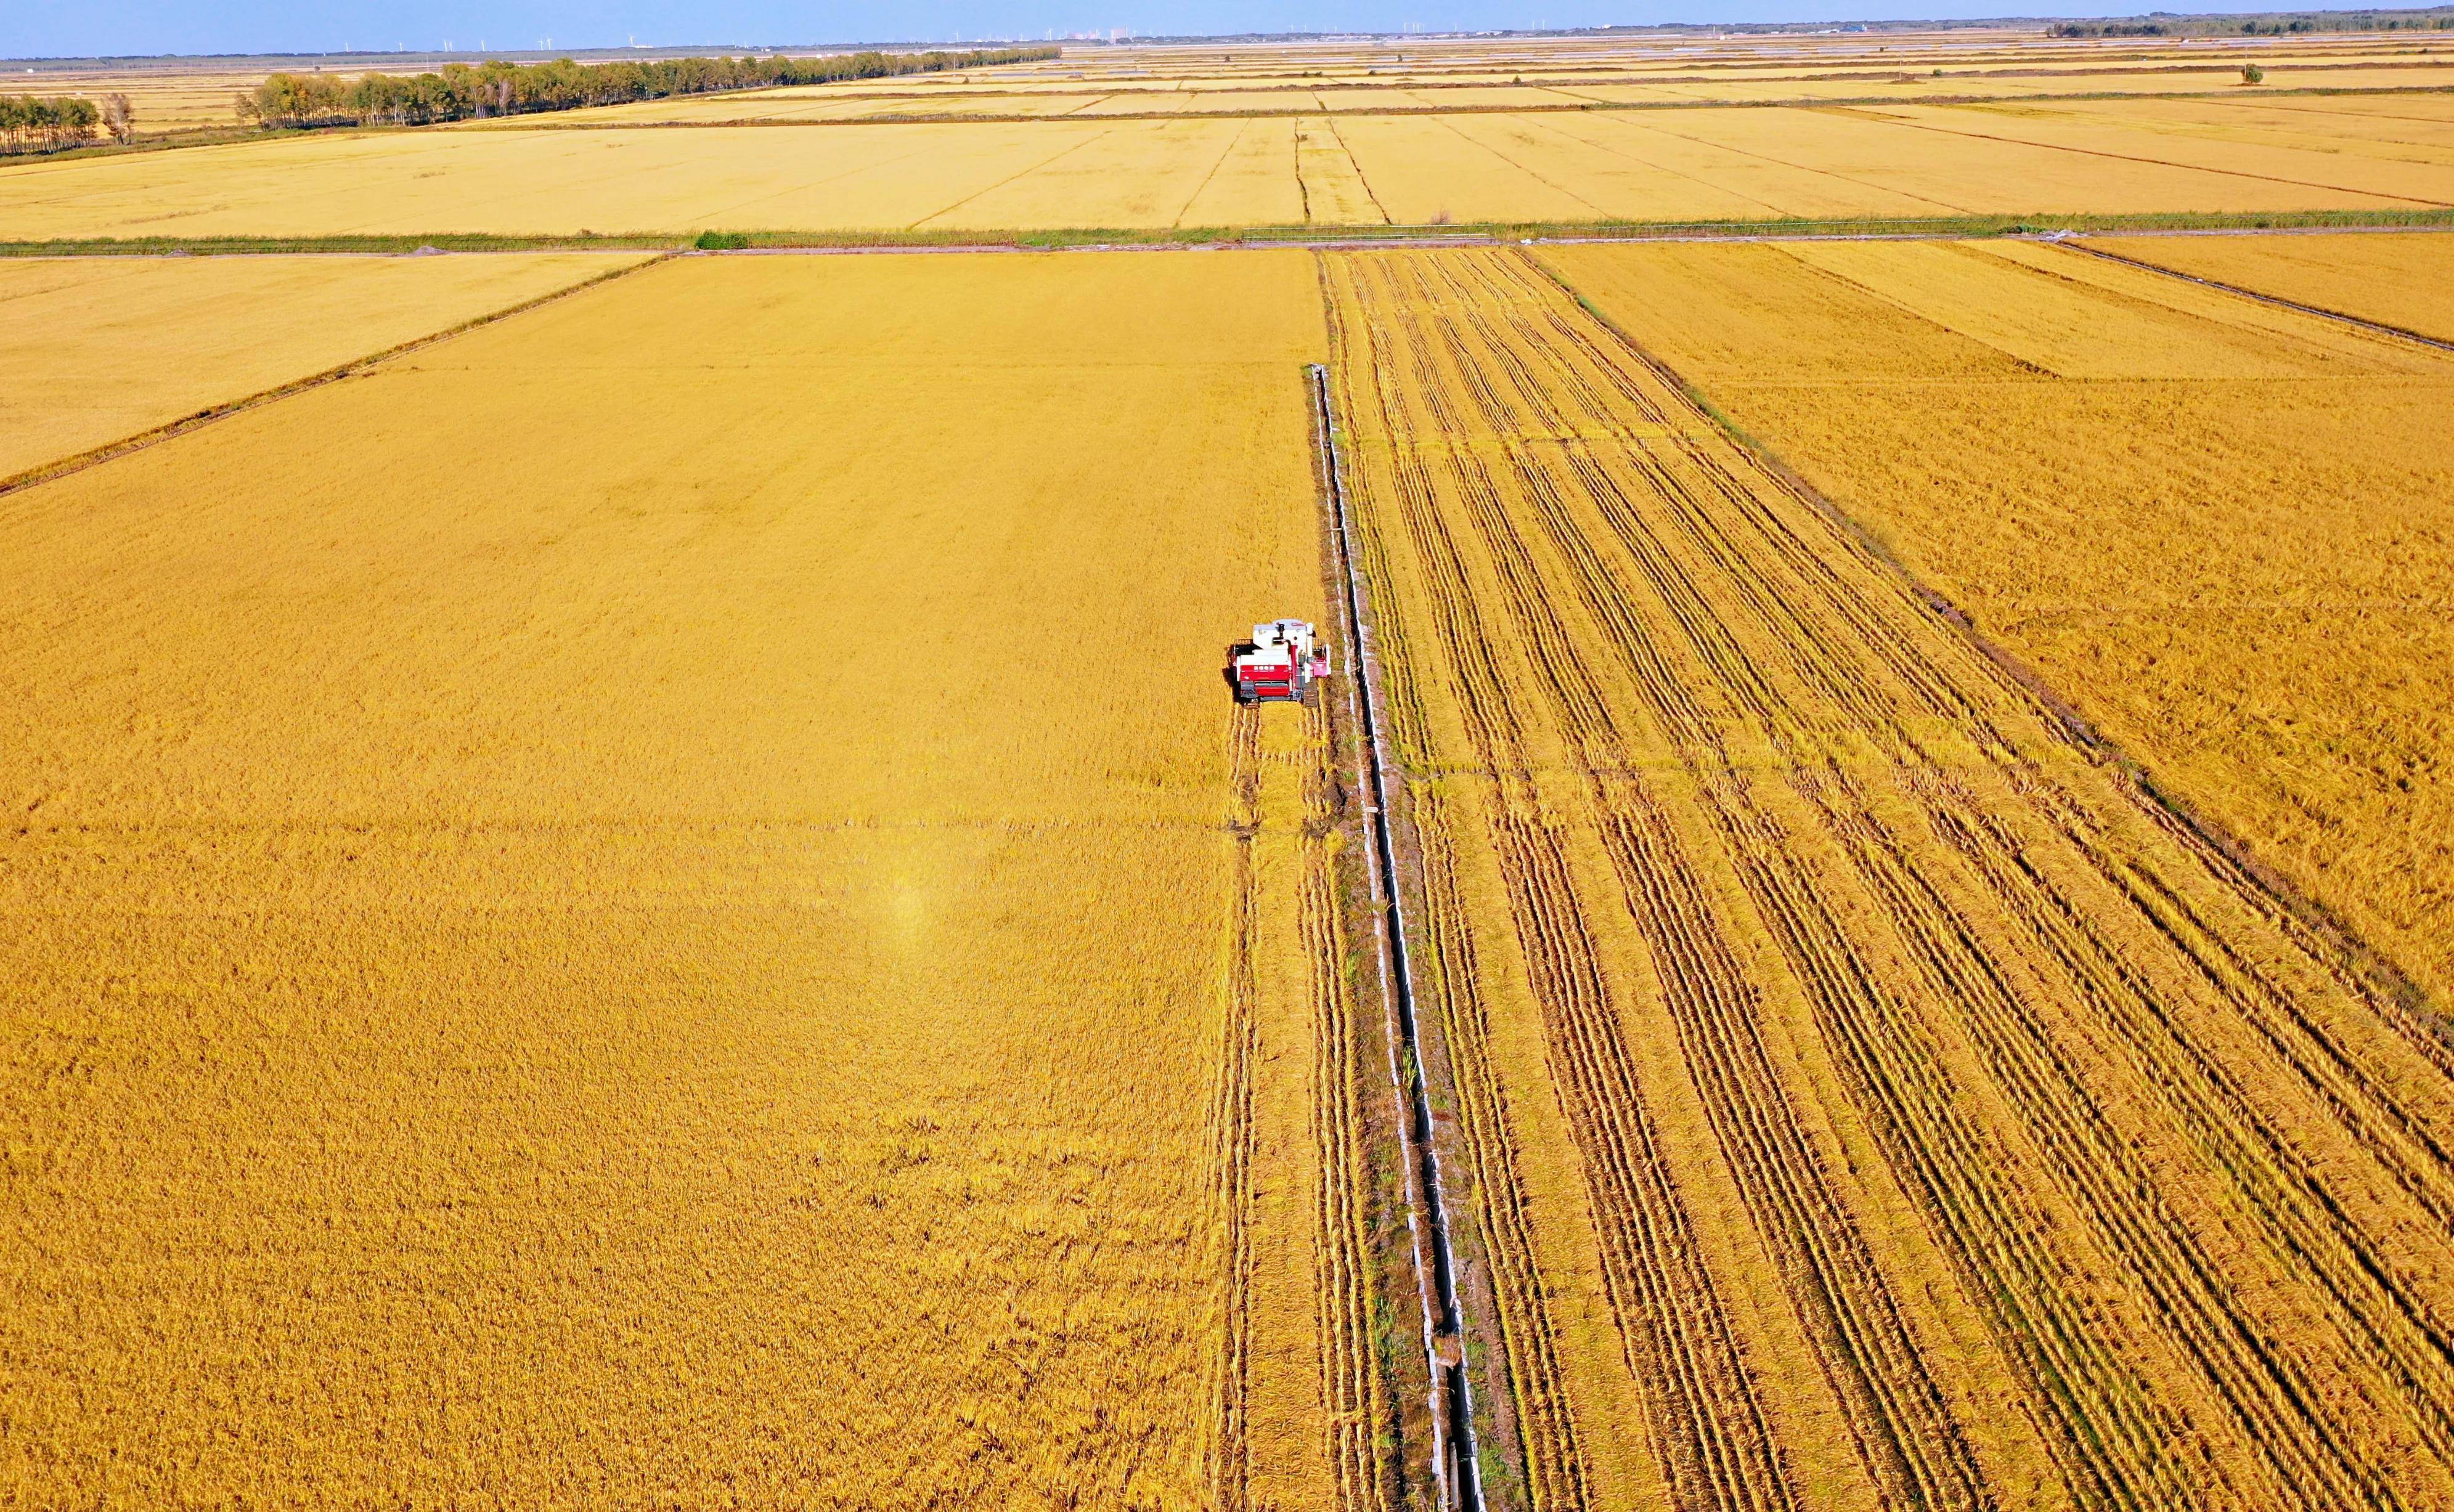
(2407, 282)
(1870, 1097)
(542, 177)
(656, 897)
(125, 344)
(663, 896)
(990, 96)
(1449, 73)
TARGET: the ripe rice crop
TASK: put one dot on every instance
(123, 345)
(2404, 281)
(665, 896)
(1084, 171)
(2207, 521)
(1868, 1095)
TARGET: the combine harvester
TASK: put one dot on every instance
(1279, 664)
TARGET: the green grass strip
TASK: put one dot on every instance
(1940, 227)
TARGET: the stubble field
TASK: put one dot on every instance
(1871, 1099)
(2217, 526)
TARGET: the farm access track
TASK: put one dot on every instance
(1824, 1010)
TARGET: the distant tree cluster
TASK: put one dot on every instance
(2267, 24)
(30, 123)
(466, 91)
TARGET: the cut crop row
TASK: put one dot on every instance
(2191, 1182)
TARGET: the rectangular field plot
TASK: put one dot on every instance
(126, 344)
(2216, 526)
(667, 893)
(1864, 1094)
(2404, 280)
(1080, 170)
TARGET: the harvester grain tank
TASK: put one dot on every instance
(1279, 664)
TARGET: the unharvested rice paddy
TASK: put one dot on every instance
(2407, 282)
(124, 344)
(662, 895)
(1871, 1098)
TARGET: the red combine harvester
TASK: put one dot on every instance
(1279, 664)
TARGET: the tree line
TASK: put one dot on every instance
(39, 124)
(467, 92)
(2266, 24)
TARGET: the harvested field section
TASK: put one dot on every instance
(2401, 280)
(2254, 609)
(1946, 1124)
(123, 345)
(655, 968)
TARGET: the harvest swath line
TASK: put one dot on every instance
(126, 444)
(1230, 1126)
(1351, 1385)
(2320, 932)
(2181, 1184)
(1257, 238)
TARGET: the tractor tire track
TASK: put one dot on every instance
(1229, 1457)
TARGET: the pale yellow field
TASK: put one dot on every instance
(128, 344)
(665, 895)
(2401, 280)
(984, 100)
(163, 100)
(2217, 526)
(2112, 157)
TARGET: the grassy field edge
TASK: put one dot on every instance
(1460, 233)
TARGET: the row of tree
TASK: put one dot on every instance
(2282, 24)
(34, 123)
(463, 92)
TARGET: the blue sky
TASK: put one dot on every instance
(77, 27)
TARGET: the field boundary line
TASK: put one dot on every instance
(2374, 327)
(2362, 966)
(109, 452)
(514, 124)
(1856, 112)
(1359, 235)
(1456, 1463)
